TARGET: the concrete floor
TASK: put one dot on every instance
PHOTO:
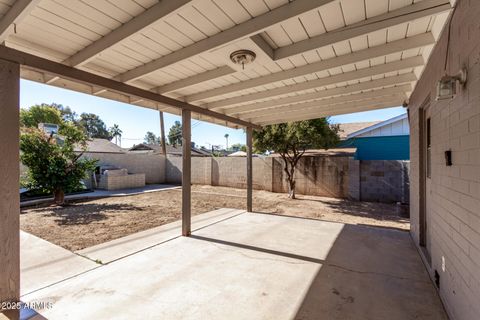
(255, 266)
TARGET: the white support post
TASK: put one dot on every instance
(9, 195)
(186, 173)
(249, 171)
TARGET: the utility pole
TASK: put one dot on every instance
(162, 134)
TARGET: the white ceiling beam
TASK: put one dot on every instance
(412, 12)
(196, 79)
(414, 42)
(322, 82)
(240, 31)
(347, 107)
(374, 84)
(19, 10)
(263, 45)
(328, 102)
(138, 23)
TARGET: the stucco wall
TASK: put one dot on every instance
(153, 165)
(453, 215)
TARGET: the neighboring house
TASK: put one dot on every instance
(101, 146)
(171, 150)
(238, 154)
(348, 128)
(386, 140)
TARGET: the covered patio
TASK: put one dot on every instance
(240, 265)
(242, 64)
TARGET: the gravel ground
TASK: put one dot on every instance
(83, 224)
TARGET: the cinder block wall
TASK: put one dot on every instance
(323, 176)
(453, 214)
(320, 176)
(232, 172)
(153, 165)
(201, 170)
(384, 181)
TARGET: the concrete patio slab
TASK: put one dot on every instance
(257, 266)
(42, 263)
(125, 246)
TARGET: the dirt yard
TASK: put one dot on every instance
(87, 223)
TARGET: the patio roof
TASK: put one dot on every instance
(313, 57)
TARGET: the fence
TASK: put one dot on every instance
(332, 176)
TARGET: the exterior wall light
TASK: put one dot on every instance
(447, 85)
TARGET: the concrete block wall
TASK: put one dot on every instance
(353, 179)
(453, 206)
(201, 170)
(227, 172)
(384, 181)
(316, 175)
(152, 165)
(135, 180)
(232, 172)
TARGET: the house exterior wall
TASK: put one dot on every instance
(380, 147)
(397, 128)
(453, 214)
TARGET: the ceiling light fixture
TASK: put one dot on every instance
(243, 57)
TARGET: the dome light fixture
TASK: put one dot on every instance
(243, 57)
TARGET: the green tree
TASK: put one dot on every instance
(151, 138)
(40, 113)
(290, 140)
(226, 138)
(53, 164)
(175, 134)
(68, 115)
(239, 147)
(93, 126)
(116, 132)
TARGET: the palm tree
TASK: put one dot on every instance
(226, 137)
(116, 133)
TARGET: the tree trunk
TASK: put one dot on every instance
(291, 188)
(59, 197)
(290, 175)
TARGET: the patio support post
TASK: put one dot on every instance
(249, 170)
(162, 135)
(186, 172)
(9, 195)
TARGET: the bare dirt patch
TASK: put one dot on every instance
(86, 223)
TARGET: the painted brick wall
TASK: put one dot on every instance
(453, 216)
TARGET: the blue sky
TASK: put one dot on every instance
(136, 121)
